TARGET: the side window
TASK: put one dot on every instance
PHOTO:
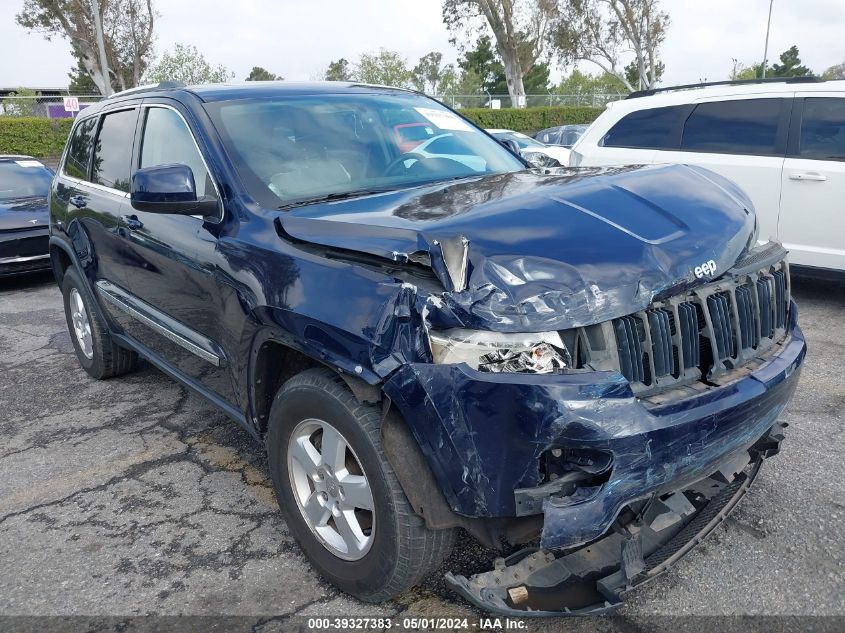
(113, 150)
(744, 126)
(79, 149)
(167, 140)
(645, 129)
(823, 128)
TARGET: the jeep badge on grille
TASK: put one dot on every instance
(707, 268)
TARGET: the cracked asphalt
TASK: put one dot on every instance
(133, 496)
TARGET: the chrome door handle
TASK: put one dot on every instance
(79, 201)
(807, 175)
(132, 222)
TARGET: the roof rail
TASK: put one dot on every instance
(734, 82)
(163, 85)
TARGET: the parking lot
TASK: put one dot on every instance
(133, 496)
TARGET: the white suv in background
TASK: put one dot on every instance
(782, 142)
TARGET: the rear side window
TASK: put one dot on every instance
(744, 126)
(113, 150)
(79, 149)
(653, 128)
(823, 128)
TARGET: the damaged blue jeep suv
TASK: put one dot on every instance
(431, 335)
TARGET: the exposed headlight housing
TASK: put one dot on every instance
(494, 352)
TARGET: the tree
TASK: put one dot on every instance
(741, 72)
(188, 65)
(790, 65)
(428, 73)
(127, 33)
(21, 102)
(632, 72)
(339, 70)
(385, 68)
(579, 83)
(835, 72)
(485, 64)
(81, 82)
(602, 31)
(536, 80)
(261, 74)
(519, 27)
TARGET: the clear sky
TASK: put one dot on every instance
(298, 38)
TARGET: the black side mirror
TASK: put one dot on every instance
(512, 145)
(169, 189)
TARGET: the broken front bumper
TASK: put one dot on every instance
(485, 436)
(592, 580)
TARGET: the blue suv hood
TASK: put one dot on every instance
(532, 251)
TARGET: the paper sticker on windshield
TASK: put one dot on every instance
(444, 119)
(28, 163)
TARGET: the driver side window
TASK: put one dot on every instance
(167, 140)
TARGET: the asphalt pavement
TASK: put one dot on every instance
(133, 496)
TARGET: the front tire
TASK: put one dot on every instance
(339, 494)
(98, 354)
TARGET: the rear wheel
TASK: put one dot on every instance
(95, 350)
(339, 494)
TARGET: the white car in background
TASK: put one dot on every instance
(447, 146)
(781, 141)
(532, 149)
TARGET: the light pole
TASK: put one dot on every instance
(104, 64)
(766, 49)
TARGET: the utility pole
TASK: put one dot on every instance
(766, 49)
(101, 45)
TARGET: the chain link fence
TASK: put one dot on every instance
(52, 106)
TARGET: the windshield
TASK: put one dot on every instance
(523, 141)
(295, 149)
(24, 178)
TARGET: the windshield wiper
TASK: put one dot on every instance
(330, 197)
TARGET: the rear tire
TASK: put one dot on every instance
(398, 550)
(98, 354)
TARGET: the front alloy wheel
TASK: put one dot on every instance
(331, 489)
(339, 494)
(81, 324)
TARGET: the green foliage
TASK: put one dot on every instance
(835, 72)
(536, 80)
(428, 73)
(579, 83)
(339, 70)
(790, 65)
(262, 74)
(385, 68)
(34, 136)
(484, 62)
(188, 65)
(80, 81)
(19, 107)
(530, 120)
(632, 74)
